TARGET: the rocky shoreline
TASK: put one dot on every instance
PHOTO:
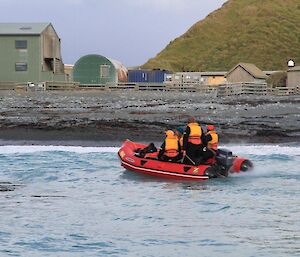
(108, 118)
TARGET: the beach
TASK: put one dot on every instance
(108, 118)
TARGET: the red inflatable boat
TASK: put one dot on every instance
(224, 163)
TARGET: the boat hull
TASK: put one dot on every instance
(149, 165)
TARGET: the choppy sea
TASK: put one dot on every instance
(79, 201)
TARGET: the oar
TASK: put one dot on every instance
(189, 159)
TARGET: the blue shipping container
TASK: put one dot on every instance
(147, 76)
(137, 76)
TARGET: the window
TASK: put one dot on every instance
(48, 64)
(21, 66)
(104, 71)
(21, 44)
(168, 77)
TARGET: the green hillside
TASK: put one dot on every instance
(263, 32)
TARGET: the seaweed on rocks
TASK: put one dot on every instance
(96, 115)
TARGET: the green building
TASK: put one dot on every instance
(30, 52)
(97, 69)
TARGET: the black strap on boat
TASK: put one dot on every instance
(143, 162)
(186, 169)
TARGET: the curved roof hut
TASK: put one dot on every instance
(97, 69)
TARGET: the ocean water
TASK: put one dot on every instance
(79, 201)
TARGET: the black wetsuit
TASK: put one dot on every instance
(193, 151)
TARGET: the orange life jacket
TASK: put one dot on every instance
(171, 146)
(195, 133)
(213, 143)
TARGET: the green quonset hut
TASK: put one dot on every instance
(97, 69)
(30, 52)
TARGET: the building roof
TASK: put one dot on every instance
(213, 73)
(22, 28)
(94, 60)
(296, 68)
(269, 72)
(196, 73)
(68, 64)
(251, 69)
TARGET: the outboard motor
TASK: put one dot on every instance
(224, 159)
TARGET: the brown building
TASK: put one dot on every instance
(210, 78)
(213, 78)
(293, 77)
(246, 72)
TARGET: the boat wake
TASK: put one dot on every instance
(23, 149)
(257, 150)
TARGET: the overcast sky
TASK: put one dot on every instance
(131, 31)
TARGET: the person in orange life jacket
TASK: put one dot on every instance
(170, 149)
(192, 142)
(211, 141)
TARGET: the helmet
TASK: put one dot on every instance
(169, 133)
(210, 127)
(180, 130)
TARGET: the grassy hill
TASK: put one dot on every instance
(263, 32)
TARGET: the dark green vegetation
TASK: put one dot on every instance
(263, 32)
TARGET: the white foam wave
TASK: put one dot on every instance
(13, 149)
(241, 150)
(263, 150)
